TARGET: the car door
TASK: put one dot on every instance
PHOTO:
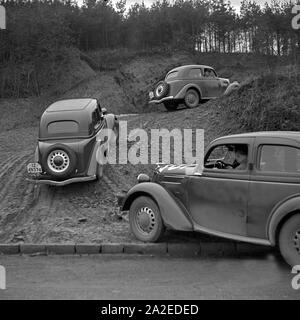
(275, 178)
(218, 198)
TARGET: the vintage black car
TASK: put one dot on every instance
(189, 84)
(248, 189)
(71, 146)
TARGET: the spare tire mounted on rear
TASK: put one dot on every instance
(59, 161)
(161, 90)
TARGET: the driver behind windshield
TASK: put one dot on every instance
(236, 157)
(230, 157)
(230, 161)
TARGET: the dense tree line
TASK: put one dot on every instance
(45, 30)
(204, 25)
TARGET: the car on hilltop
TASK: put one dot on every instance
(189, 84)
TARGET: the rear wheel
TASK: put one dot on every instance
(192, 98)
(289, 240)
(170, 105)
(145, 220)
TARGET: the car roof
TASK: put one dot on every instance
(266, 134)
(69, 105)
(190, 66)
(79, 110)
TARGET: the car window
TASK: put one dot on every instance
(279, 158)
(172, 75)
(227, 156)
(218, 153)
(209, 73)
(59, 127)
(195, 74)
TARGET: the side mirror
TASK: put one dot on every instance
(104, 111)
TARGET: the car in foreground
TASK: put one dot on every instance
(72, 143)
(189, 84)
(248, 189)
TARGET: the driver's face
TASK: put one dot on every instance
(230, 157)
(240, 157)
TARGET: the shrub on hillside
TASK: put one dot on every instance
(269, 102)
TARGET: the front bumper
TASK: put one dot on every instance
(63, 182)
(161, 100)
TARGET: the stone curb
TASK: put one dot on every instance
(170, 248)
(147, 248)
(9, 248)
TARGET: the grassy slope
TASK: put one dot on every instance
(269, 102)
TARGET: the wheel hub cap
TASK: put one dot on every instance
(58, 161)
(146, 220)
(159, 90)
(191, 99)
(297, 241)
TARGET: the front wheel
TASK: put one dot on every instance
(289, 240)
(145, 220)
(192, 98)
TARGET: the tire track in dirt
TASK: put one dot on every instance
(9, 163)
(33, 213)
(10, 179)
(14, 192)
(43, 210)
(110, 184)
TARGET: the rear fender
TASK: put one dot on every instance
(173, 213)
(182, 92)
(282, 211)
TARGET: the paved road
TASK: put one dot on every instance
(145, 277)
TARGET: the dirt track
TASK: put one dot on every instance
(85, 212)
(79, 212)
(34, 213)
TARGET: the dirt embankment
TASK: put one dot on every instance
(87, 212)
